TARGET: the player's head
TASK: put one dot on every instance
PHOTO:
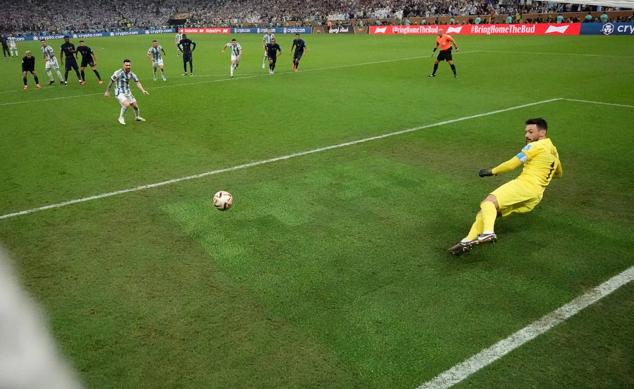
(43, 42)
(66, 38)
(154, 43)
(272, 40)
(81, 43)
(28, 53)
(297, 35)
(441, 31)
(127, 64)
(234, 41)
(184, 36)
(535, 130)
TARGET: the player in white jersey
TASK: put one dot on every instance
(155, 55)
(51, 63)
(13, 47)
(267, 39)
(179, 36)
(121, 79)
(236, 52)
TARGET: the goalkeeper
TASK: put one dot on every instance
(521, 195)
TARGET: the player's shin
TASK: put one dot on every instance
(24, 80)
(50, 75)
(97, 74)
(83, 75)
(435, 68)
(453, 69)
(476, 229)
(489, 214)
(137, 111)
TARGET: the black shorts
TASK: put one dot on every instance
(298, 55)
(28, 68)
(85, 62)
(445, 55)
(71, 63)
(187, 57)
(272, 57)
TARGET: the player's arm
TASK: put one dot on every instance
(224, 48)
(163, 50)
(61, 56)
(94, 57)
(194, 46)
(528, 152)
(434, 50)
(138, 85)
(107, 92)
(180, 47)
(149, 56)
(453, 42)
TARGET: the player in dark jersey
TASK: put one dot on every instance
(299, 46)
(187, 47)
(28, 66)
(88, 58)
(271, 52)
(68, 54)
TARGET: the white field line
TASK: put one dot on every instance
(489, 355)
(250, 75)
(267, 161)
(554, 53)
(600, 103)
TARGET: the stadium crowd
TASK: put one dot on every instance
(61, 16)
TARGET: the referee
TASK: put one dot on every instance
(28, 66)
(444, 41)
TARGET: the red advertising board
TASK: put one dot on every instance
(205, 30)
(482, 29)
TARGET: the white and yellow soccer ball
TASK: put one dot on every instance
(222, 200)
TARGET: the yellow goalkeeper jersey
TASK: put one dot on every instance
(541, 162)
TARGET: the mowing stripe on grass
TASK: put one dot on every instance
(271, 160)
(227, 79)
(600, 103)
(489, 355)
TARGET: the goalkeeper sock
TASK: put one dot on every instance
(435, 68)
(476, 228)
(489, 213)
(453, 69)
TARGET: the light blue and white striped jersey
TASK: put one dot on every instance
(48, 52)
(235, 49)
(178, 38)
(268, 38)
(156, 53)
(122, 81)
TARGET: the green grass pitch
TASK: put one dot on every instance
(331, 269)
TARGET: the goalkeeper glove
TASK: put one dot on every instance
(485, 173)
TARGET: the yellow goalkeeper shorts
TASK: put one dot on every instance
(517, 197)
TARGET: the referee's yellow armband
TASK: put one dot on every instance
(507, 166)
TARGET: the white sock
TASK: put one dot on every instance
(59, 74)
(123, 109)
(50, 75)
(231, 69)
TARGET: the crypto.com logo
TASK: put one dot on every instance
(607, 29)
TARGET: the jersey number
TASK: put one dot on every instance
(552, 167)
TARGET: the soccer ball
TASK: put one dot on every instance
(222, 200)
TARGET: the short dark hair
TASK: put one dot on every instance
(154, 40)
(539, 122)
(233, 40)
(126, 60)
(81, 41)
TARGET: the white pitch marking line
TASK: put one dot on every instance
(600, 103)
(267, 161)
(491, 354)
(250, 75)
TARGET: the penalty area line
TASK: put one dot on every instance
(271, 160)
(463, 370)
